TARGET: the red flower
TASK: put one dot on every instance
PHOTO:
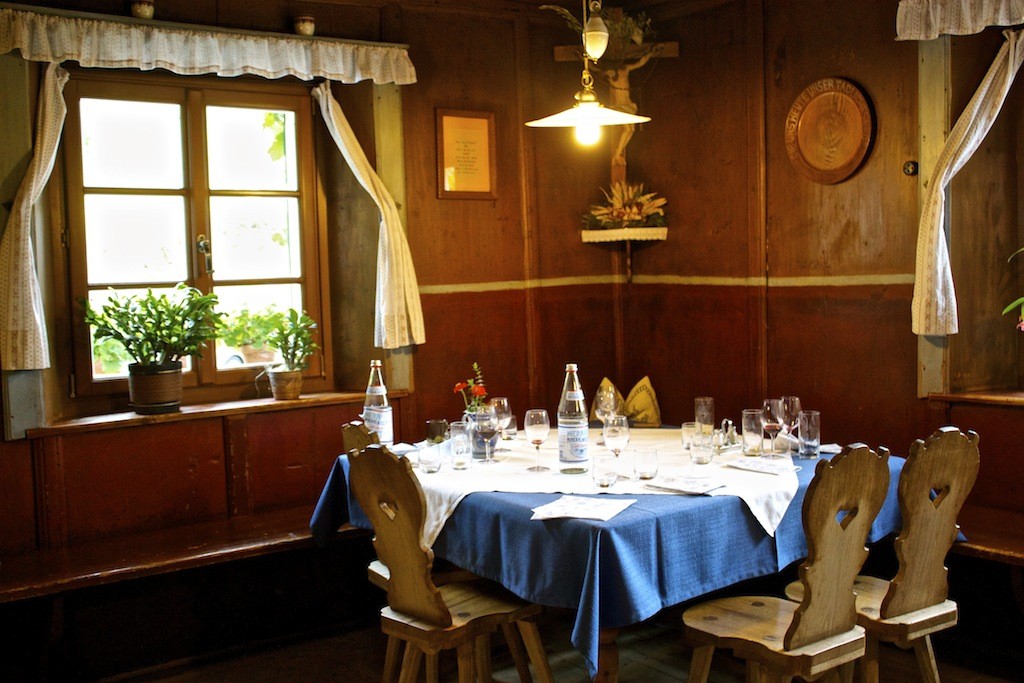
(460, 386)
(478, 390)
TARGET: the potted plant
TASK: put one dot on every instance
(156, 331)
(248, 331)
(293, 338)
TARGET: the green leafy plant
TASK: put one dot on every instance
(294, 339)
(156, 328)
(248, 328)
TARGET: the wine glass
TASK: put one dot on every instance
(537, 426)
(606, 402)
(773, 417)
(616, 433)
(485, 424)
(790, 415)
(503, 411)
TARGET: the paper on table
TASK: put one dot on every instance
(831, 448)
(764, 466)
(581, 507)
(687, 485)
(403, 448)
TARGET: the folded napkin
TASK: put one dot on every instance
(686, 485)
(640, 406)
(582, 507)
(775, 467)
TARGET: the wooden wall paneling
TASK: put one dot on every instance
(51, 501)
(578, 327)
(329, 445)
(850, 354)
(984, 231)
(868, 223)
(146, 477)
(486, 327)
(281, 459)
(1002, 453)
(17, 500)
(691, 341)
(236, 464)
(757, 266)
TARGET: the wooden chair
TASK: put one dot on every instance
(935, 481)
(428, 617)
(779, 638)
(355, 436)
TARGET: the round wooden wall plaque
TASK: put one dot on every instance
(828, 130)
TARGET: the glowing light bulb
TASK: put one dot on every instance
(588, 133)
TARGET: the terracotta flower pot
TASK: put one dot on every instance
(285, 384)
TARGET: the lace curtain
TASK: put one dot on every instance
(23, 344)
(399, 316)
(98, 42)
(927, 19)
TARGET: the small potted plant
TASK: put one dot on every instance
(248, 330)
(293, 338)
(156, 331)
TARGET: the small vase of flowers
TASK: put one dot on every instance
(474, 399)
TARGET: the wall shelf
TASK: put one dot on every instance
(627, 235)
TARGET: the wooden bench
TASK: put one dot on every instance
(992, 534)
(49, 572)
(995, 535)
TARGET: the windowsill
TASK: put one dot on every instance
(202, 411)
(993, 397)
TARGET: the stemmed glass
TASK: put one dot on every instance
(773, 417)
(537, 427)
(606, 403)
(790, 415)
(503, 411)
(616, 433)
(485, 424)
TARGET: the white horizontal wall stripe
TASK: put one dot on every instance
(706, 281)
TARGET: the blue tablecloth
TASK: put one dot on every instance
(659, 552)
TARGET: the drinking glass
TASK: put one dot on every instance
(503, 412)
(686, 433)
(702, 452)
(810, 433)
(485, 424)
(616, 433)
(753, 431)
(645, 463)
(537, 426)
(605, 469)
(773, 413)
(462, 455)
(430, 458)
(704, 413)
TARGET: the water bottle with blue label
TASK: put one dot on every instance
(573, 440)
(377, 414)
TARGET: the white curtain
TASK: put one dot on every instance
(934, 306)
(95, 41)
(399, 316)
(99, 42)
(927, 19)
(23, 344)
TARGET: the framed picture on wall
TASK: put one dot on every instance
(466, 163)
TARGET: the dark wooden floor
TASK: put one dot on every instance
(652, 652)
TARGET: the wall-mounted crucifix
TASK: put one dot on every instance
(626, 53)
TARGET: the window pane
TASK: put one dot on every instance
(250, 316)
(135, 238)
(251, 149)
(255, 237)
(131, 144)
(109, 359)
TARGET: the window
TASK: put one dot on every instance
(204, 181)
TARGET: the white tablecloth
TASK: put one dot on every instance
(766, 495)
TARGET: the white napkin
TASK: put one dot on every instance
(687, 485)
(775, 467)
(582, 507)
